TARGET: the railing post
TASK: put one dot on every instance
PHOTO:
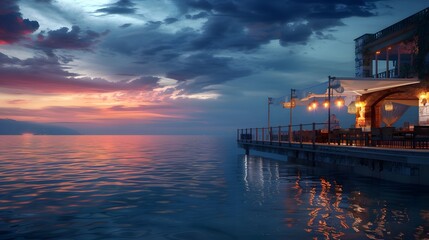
(251, 135)
(256, 133)
(280, 135)
(271, 135)
(263, 135)
(314, 135)
(290, 134)
(246, 136)
(300, 134)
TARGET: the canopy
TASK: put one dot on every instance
(349, 88)
(360, 86)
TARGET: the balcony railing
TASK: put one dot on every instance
(406, 23)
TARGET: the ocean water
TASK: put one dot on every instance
(190, 187)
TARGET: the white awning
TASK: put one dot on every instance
(360, 86)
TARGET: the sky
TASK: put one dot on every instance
(177, 66)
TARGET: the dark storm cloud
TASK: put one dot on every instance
(125, 25)
(62, 38)
(12, 26)
(170, 20)
(120, 7)
(191, 55)
(225, 33)
(145, 81)
(43, 1)
(281, 10)
(197, 16)
(251, 23)
(206, 70)
(46, 75)
(150, 41)
(177, 55)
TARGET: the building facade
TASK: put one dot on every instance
(398, 51)
(391, 52)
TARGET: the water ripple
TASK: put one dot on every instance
(188, 187)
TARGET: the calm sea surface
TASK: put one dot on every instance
(190, 187)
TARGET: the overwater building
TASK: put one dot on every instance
(392, 75)
(398, 61)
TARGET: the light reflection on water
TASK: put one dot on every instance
(189, 187)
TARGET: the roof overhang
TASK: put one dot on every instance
(361, 86)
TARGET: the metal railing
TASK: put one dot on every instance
(302, 133)
(317, 133)
(402, 25)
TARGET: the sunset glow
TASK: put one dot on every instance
(173, 66)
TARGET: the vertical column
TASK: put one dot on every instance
(251, 134)
(263, 135)
(256, 133)
(398, 66)
(387, 62)
(329, 107)
(292, 101)
(313, 139)
(269, 103)
(376, 63)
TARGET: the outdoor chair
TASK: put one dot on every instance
(375, 136)
(387, 135)
(421, 137)
(355, 136)
(336, 136)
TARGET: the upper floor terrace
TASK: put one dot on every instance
(391, 52)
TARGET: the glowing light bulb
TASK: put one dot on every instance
(326, 103)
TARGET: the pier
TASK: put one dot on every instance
(378, 96)
(402, 156)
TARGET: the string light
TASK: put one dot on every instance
(326, 103)
(314, 104)
(339, 101)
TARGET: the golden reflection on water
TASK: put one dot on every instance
(330, 213)
(325, 216)
(331, 216)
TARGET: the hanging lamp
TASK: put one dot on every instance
(388, 106)
(352, 108)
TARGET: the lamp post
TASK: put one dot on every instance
(270, 101)
(292, 96)
(387, 62)
(376, 63)
(329, 107)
